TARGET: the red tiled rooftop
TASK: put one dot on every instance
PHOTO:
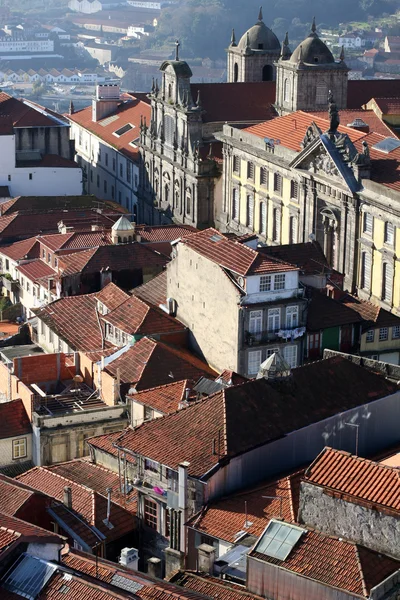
(111, 296)
(153, 291)
(290, 129)
(97, 478)
(360, 479)
(257, 412)
(19, 250)
(91, 506)
(324, 312)
(388, 106)
(151, 589)
(163, 233)
(129, 112)
(211, 587)
(22, 529)
(150, 363)
(14, 420)
(135, 317)
(22, 114)
(373, 314)
(336, 563)
(368, 116)
(225, 518)
(74, 320)
(73, 588)
(233, 255)
(36, 269)
(164, 398)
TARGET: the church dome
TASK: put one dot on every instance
(259, 37)
(312, 51)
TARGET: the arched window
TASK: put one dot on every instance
(166, 193)
(263, 218)
(267, 73)
(286, 90)
(235, 73)
(169, 91)
(188, 203)
(176, 198)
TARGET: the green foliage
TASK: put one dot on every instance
(4, 303)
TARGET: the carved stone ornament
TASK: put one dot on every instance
(313, 132)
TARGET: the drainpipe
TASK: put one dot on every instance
(182, 502)
(109, 490)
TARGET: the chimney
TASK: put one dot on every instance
(205, 558)
(360, 125)
(96, 227)
(67, 499)
(105, 102)
(154, 566)
(109, 490)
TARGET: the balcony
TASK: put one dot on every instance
(280, 335)
(12, 285)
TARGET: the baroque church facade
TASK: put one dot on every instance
(302, 176)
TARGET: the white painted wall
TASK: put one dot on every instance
(253, 287)
(6, 450)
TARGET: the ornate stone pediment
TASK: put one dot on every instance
(312, 134)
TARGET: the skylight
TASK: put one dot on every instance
(279, 539)
(123, 130)
(29, 576)
(387, 145)
(216, 238)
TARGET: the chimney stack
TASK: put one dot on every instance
(154, 566)
(105, 102)
(206, 558)
(67, 499)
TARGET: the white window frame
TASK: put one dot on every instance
(256, 323)
(19, 448)
(370, 336)
(265, 283)
(274, 320)
(389, 233)
(383, 334)
(290, 355)
(254, 358)
(280, 281)
(292, 317)
(396, 332)
(368, 223)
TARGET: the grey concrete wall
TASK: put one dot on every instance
(207, 305)
(336, 516)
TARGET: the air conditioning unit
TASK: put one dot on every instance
(129, 558)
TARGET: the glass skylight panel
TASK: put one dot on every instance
(29, 576)
(124, 583)
(123, 129)
(387, 145)
(279, 539)
(216, 238)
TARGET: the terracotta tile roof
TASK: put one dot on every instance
(97, 478)
(164, 398)
(112, 296)
(58, 203)
(90, 506)
(74, 320)
(374, 315)
(232, 255)
(230, 101)
(26, 531)
(359, 92)
(360, 479)
(7, 538)
(19, 250)
(212, 587)
(74, 588)
(148, 588)
(150, 363)
(116, 258)
(36, 269)
(368, 116)
(388, 106)
(154, 291)
(136, 317)
(290, 129)
(324, 312)
(163, 233)
(22, 114)
(87, 239)
(13, 495)
(129, 112)
(231, 377)
(252, 414)
(336, 563)
(309, 256)
(14, 420)
(225, 518)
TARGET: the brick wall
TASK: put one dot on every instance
(42, 368)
